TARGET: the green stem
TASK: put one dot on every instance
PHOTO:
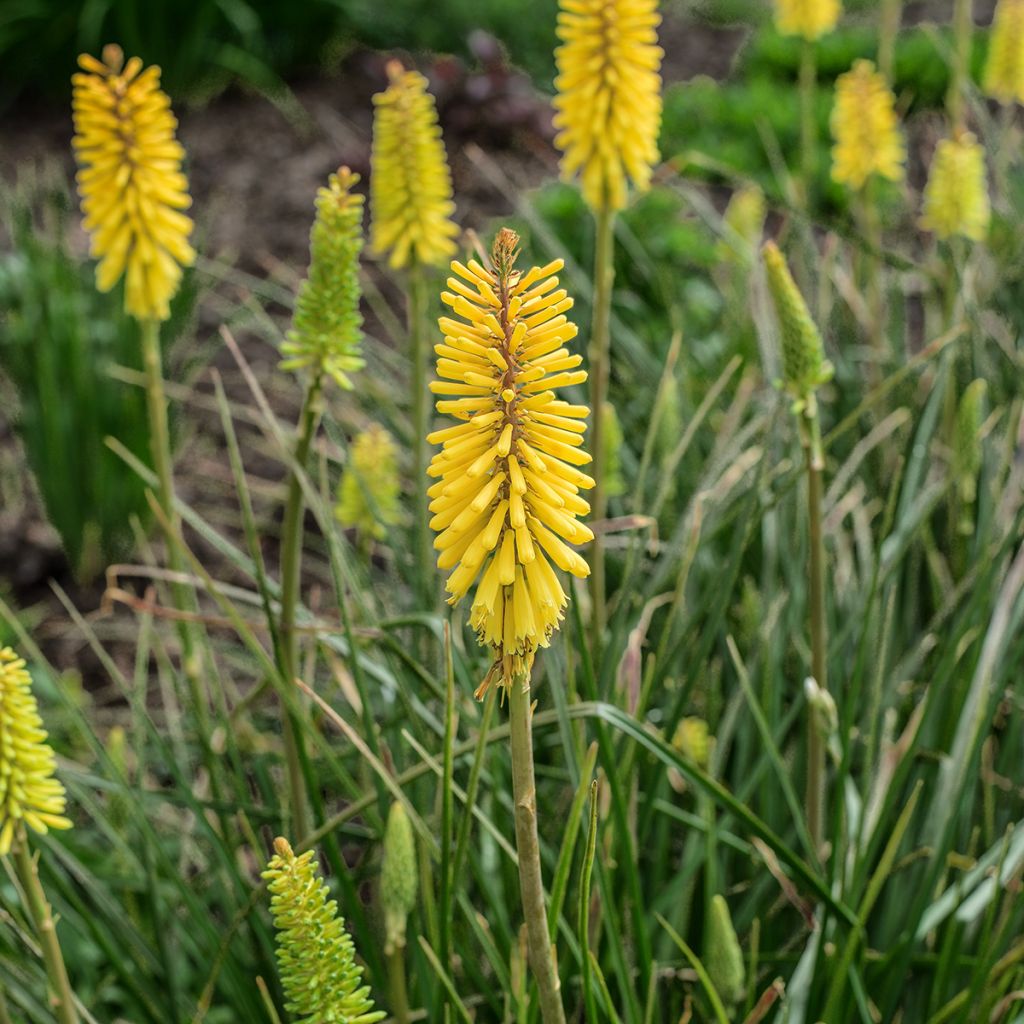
(160, 446)
(531, 885)
(808, 120)
(291, 573)
(600, 369)
(815, 799)
(418, 342)
(892, 11)
(46, 931)
(963, 31)
(396, 986)
(5, 1015)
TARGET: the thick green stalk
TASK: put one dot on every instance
(46, 931)
(963, 32)
(291, 573)
(531, 885)
(418, 342)
(396, 986)
(160, 446)
(808, 120)
(600, 369)
(815, 799)
(892, 12)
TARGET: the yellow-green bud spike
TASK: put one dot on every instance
(694, 741)
(1004, 70)
(327, 326)
(30, 795)
(723, 956)
(743, 226)
(369, 491)
(804, 366)
(322, 981)
(967, 439)
(956, 198)
(398, 879)
(614, 482)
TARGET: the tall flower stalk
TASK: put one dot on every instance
(804, 370)
(31, 798)
(324, 342)
(411, 213)
(809, 20)
(506, 503)
(608, 115)
(133, 196)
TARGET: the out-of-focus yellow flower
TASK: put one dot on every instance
(411, 187)
(608, 107)
(956, 197)
(804, 366)
(130, 181)
(325, 332)
(866, 130)
(507, 494)
(29, 792)
(743, 226)
(1004, 69)
(808, 18)
(317, 959)
(369, 488)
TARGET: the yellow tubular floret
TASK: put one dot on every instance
(130, 181)
(608, 107)
(411, 187)
(866, 129)
(507, 492)
(810, 19)
(29, 793)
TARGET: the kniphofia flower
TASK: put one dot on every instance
(508, 484)
(29, 792)
(326, 328)
(1004, 69)
(608, 103)
(369, 491)
(810, 19)
(956, 197)
(411, 187)
(866, 129)
(804, 366)
(316, 957)
(130, 181)
(398, 877)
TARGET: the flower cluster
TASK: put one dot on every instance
(326, 327)
(507, 493)
(369, 490)
(804, 366)
(130, 181)
(321, 979)
(865, 128)
(956, 197)
(608, 107)
(29, 793)
(808, 18)
(411, 186)
(1004, 69)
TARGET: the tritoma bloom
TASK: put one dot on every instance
(956, 198)
(29, 793)
(608, 107)
(810, 19)
(411, 187)
(508, 484)
(370, 491)
(317, 960)
(1004, 69)
(326, 328)
(130, 181)
(865, 128)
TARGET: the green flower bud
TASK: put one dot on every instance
(398, 877)
(723, 956)
(369, 490)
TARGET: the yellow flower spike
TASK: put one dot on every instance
(810, 19)
(866, 129)
(608, 106)
(29, 793)
(1004, 69)
(369, 490)
(507, 496)
(411, 187)
(130, 181)
(956, 198)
